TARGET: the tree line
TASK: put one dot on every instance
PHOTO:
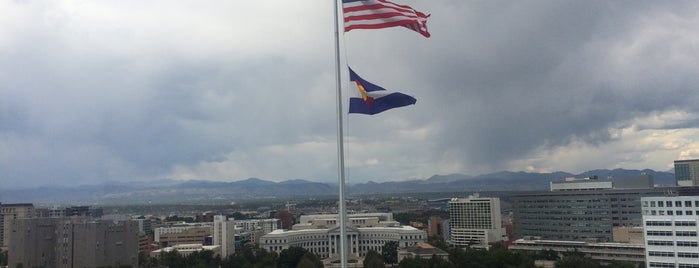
(496, 256)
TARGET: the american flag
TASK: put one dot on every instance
(377, 14)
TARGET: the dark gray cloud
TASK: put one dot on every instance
(181, 90)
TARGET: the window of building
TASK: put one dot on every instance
(660, 243)
(688, 203)
(661, 254)
(686, 243)
(661, 265)
(678, 204)
(668, 203)
(686, 233)
(688, 255)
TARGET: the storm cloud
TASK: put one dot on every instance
(225, 90)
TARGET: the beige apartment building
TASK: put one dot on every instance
(9, 212)
(72, 242)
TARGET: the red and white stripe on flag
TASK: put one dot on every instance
(377, 14)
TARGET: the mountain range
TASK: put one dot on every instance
(193, 190)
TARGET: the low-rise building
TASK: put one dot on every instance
(604, 252)
(186, 249)
(422, 250)
(320, 234)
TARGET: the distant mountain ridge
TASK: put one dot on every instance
(171, 190)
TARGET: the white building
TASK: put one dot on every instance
(670, 225)
(475, 221)
(573, 184)
(186, 249)
(224, 234)
(265, 225)
(321, 235)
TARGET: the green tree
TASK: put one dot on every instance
(438, 242)
(310, 260)
(373, 259)
(577, 260)
(252, 257)
(3, 258)
(290, 257)
(390, 252)
(548, 254)
(412, 263)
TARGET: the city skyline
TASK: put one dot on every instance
(130, 91)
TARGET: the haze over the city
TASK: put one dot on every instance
(95, 91)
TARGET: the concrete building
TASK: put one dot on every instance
(671, 226)
(475, 221)
(265, 225)
(186, 249)
(354, 220)
(320, 234)
(9, 212)
(578, 215)
(687, 172)
(182, 234)
(73, 242)
(224, 234)
(422, 250)
(604, 252)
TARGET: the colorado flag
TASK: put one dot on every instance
(373, 99)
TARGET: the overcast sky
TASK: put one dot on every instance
(94, 91)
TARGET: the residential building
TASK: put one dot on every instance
(9, 212)
(73, 242)
(687, 172)
(224, 234)
(671, 226)
(475, 221)
(435, 226)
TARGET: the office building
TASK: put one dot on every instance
(224, 234)
(182, 234)
(687, 172)
(265, 225)
(475, 221)
(586, 213)
(671, 227)
(72, 242)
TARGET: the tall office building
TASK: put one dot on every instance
(64, 242)
(583, 209)
(475, 221)
(671, 226)
(687, 172)
(224, 235)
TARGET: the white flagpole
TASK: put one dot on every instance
(340, 145)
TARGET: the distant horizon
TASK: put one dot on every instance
(179, 181)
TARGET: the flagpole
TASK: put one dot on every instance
(340, 146)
